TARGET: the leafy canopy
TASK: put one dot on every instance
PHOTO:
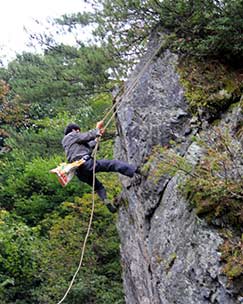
(204, 28)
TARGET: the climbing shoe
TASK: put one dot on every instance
(110, 206)
(136, 180)
(140, 172)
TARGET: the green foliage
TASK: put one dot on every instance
(13, 112)
(213, 187)
(36, 192)
(34, 141)
(99, 279)
(202, 28)
(19, 264)
(205, 28)
(210, 86)
(53, 220)
(38, 270)
(232, 255)
(163, 161)
(216, 185)
(121, 27)
(61, 80)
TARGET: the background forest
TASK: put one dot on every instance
(42, 225)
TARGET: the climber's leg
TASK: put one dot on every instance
(85, 174)
(104, 165)
(87, 177)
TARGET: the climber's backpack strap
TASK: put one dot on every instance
(65, 171)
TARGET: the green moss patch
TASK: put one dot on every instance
(232, 255)
(210, 86)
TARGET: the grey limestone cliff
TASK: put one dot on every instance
(169, 255)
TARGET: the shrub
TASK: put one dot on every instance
(19, 263)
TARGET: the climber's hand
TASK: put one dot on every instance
(102, 131)
(100, 125)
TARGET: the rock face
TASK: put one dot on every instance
(169, 256)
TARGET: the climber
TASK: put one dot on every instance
(79, 145)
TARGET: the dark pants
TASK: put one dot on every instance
(85, 172)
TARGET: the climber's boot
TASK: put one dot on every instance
(110, 206)
(138, 170)
(141, 172)
(118, 200)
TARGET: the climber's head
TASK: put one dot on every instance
(70, 127)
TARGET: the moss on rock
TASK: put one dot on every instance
(232, 255)
(210, 86)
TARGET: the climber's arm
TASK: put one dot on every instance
(92, 134)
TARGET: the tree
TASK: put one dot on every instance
(13, 113)
(202, 28)
(19, 264)
(61, 79)
(121, 27)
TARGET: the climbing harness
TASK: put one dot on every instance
(115, 107)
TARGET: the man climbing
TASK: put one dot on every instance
(79, 145)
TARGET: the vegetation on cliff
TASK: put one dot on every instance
(212, 186)
(210, 86)
(42, 224)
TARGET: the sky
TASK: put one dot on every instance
(15, 15)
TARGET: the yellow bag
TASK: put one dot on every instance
(65, 171)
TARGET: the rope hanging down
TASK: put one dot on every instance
(115, 107)
(87, 233)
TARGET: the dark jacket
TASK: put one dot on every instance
(77, 144)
